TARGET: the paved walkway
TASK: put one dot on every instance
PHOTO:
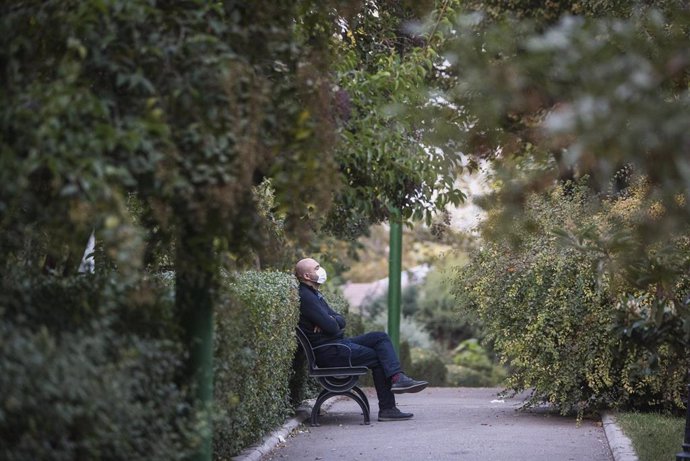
(466, 424)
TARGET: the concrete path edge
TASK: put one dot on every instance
(619, 443)
(270, 441)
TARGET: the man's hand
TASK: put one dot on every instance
(317, 329)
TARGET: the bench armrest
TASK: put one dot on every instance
(349, 355)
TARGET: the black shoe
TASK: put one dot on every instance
(393, 414)
(407, 384)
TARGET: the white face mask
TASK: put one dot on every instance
(322, 276)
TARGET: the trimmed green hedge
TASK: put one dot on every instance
(89, 365)
(254, 349)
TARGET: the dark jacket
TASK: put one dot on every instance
(313, 311)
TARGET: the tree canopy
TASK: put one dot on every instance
(387, 72)
(186, 105)
(584, 96)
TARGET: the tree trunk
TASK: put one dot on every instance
(195, 272)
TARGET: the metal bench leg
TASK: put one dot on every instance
(323, 396)
(362, 400)
(359, 392)
(358, 397)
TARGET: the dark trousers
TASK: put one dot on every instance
(373, 350)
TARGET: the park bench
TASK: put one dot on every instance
(335, 381)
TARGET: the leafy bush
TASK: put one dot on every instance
(254, 349)
(471, 354)
(79, 379)
(427, 365)
(411, 331)
(438, 308)
(557, 314)
(473, 366)
(408, 303)
(458, 376)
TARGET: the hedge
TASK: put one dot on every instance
(89, 366)
(254, 349)
(79, 377)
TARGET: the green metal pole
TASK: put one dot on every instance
(394, 271)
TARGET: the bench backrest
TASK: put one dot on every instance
(306, 346)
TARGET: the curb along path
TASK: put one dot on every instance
(621, 446)
(472, 424)
(271, 441)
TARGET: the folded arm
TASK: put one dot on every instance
(324, 318)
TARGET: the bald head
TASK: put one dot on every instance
(305, 266)
(305, 271)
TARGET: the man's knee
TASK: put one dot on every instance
(380, 335)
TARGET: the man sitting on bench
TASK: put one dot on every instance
(374, 350)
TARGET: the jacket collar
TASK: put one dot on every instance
(312, 289)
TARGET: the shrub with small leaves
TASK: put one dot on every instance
(552, 306)
(254, 349)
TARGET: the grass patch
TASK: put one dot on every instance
(654, 436)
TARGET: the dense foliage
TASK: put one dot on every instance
(386, 71)
(438, 310)
(96, 377)
(254, 348)
(185, 103)
(428, 365)
(583, 96)
(88, 367)
(578, 333)
(582, 291)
